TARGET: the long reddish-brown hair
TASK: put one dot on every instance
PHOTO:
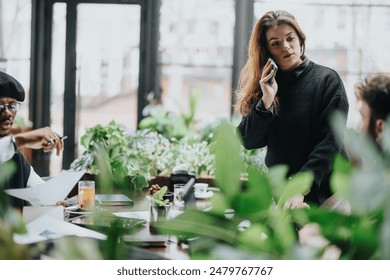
(249, 91)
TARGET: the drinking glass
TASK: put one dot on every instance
(178, 191)
(86, 194)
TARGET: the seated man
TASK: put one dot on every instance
(374, 95)
(11, 96)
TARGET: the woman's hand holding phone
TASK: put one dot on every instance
(267, 83)
(274, 68)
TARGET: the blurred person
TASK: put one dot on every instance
(373, 93)
(11, 97)
(287, 107)
(374, 96)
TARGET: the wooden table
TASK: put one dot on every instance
(147, 249)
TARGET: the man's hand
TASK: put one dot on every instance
(42, 138)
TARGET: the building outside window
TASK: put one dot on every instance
(195, 53)
(196, 56)
(15, 45)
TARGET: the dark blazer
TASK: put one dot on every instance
(19, 178)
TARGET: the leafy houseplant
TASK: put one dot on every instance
(141, 155)
(109, 148)
(163, 141)
(157, 198)
(171, 125)
(159, 207)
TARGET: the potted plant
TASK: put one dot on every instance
(146, 157)
(113, 149)
(160, 206)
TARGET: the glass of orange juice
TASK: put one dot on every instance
(86, 195)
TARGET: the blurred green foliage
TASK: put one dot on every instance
(247, 219)
(10, 221)
(261, 228)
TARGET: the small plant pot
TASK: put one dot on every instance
(159, 214)
(169, 196)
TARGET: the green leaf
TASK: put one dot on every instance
(364, 240)
(363, 148)
(385, 235)
(368, 193)
(257, 195)
(257, 239)
(219, 204)
(158, 197)
(277, 178)
(299, 183)
(148, 122)
(139, 182)
(335, 227)
(284, 236)
(340, 180)
(229, 163)
(194, 223)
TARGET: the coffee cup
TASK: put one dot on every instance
(201, 187)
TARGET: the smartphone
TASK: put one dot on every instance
(274, 67)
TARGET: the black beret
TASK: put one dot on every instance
(10, 87)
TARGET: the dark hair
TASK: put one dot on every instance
(375, 91)
(248, 86)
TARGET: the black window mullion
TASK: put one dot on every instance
(70, 145)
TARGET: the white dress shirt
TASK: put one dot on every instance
(7, 151)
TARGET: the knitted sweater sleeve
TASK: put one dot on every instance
(254, 128)
(326, 142)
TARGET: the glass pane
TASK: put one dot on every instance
(347, 36)
(108, 38)
(58, 79)
(196, 56)
(15, 46)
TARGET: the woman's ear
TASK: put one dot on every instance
(379, 128)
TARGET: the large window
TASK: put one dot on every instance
(348, 36)
(196, 56)
(107, 63)
(108, 39)
(107, 68)
(15, 45)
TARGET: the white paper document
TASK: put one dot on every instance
(47, 228)
(144, 214)
(30, 213)
(49, 193)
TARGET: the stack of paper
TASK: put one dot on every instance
(49, 193)
(47, 228)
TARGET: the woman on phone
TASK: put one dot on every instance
(288, 108)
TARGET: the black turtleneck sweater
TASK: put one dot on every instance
(300, 134)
